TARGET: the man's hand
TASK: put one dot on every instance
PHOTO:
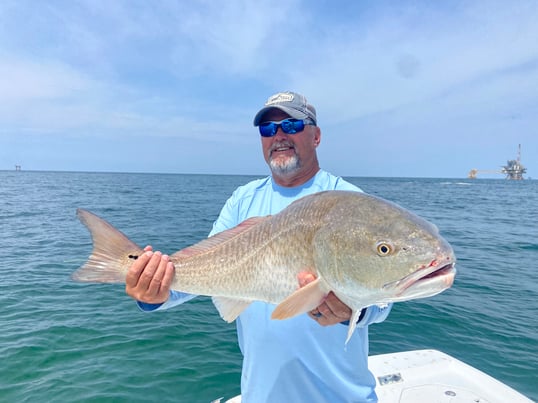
(332, 310)
(149, 278)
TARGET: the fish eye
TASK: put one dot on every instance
(383, 248)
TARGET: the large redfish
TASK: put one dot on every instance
(368, 251)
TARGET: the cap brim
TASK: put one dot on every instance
(294, 113)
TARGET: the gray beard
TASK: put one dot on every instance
(285, 168)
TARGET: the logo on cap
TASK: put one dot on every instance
(278, 98)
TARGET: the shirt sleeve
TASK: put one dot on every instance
(175, 298)
(375, 314)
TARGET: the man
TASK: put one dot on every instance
(302, 359)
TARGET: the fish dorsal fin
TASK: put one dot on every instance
(217, 239)
(230, 308)
(303, 300)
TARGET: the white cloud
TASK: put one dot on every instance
(198, 70)
(417, 57)
(24, 80)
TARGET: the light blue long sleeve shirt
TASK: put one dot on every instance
(293, 360)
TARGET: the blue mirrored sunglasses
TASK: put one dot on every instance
(288, 126)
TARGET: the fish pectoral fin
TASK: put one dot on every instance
(230, 308)
(353, 323)
(303, 300)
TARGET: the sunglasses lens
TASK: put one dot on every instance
(268, 129)
(288, 126)
(292, 126)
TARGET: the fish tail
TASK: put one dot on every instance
(112, 254)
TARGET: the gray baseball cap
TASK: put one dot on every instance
(292, 103)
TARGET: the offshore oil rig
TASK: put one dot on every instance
(513, 169)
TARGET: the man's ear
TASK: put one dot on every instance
(317, 137)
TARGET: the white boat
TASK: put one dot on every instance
(430, 376)
(435, 377)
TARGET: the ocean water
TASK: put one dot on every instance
(66, 342)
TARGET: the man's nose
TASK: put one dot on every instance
(280, 134)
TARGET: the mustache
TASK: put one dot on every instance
(281, 144)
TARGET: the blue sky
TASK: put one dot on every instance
(402, 88)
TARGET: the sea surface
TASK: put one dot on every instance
(62, 341)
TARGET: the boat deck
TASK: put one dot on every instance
(431, 376)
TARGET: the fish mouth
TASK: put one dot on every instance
(425, 282)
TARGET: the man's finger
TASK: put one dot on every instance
(149, 271)
(168, 277)
(154, 287)
(133, 274)
(337, 307)
(305, 277)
